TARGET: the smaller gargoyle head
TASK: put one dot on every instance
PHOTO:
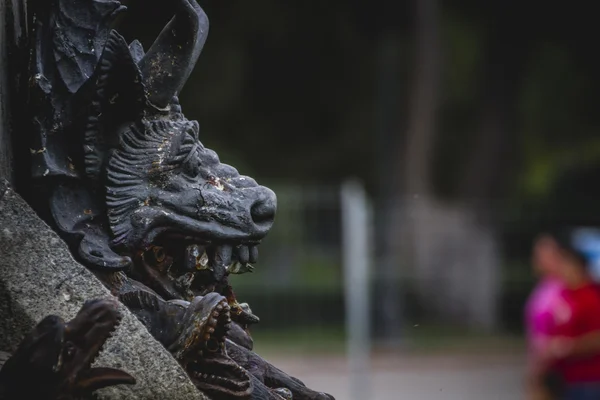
(195, 333)
(201, 349)
(54, 361)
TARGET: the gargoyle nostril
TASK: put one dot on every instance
(263, 210)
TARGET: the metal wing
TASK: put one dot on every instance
(79, 36)
(70, 36)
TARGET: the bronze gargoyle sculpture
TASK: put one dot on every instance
(53, 362)
(122, 176)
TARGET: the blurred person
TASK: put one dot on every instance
(572, 348)
(539, 317)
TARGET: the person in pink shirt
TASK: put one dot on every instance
(540, 310)
(562, 316)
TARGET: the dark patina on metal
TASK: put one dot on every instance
(125, 180)
(54, 361)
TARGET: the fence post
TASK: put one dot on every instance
(355, 236)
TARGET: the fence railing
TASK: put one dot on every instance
(451, 267)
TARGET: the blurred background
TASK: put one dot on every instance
(416, 148)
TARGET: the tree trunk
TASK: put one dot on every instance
(487, 173)
(493, 156)
(415, 195)
(425, 99)
(387, 300)
(403, 177)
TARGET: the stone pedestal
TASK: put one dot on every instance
(38, 277)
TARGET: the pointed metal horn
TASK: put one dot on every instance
(169, 62)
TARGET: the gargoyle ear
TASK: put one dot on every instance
(118, 98)
(137, 51)
(77, 215)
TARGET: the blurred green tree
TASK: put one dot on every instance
(471, 104)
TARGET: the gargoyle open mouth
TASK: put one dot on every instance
(219, 375)
(213, 372)
(179, 267)
(60, 355)
(182, 267)
(84, 337)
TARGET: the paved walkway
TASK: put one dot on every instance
(411, 377)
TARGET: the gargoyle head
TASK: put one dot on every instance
(150, 197)
(54, 360)
(163, 186)
(144, 194)
(206, 361)
(195, 333)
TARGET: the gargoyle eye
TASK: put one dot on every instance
(192, 167)
(156, 258)
(159, 253)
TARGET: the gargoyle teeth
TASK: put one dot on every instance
(243, 254)
(238, 268)
(202, 261)
(253, 254)
(219, 260)
(195, 258)
(185, 281)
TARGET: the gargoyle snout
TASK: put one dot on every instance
(263, 209)
(97, 312)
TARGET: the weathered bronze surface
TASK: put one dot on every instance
(54, 361)
(122, 176)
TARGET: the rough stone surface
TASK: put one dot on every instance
(38, 277)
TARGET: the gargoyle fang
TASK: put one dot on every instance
(238, 268)
(203, 261)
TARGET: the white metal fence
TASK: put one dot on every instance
(319, 273)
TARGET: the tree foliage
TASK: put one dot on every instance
(288, 90)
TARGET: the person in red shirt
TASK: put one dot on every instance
(573, 349)
(539, 317)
